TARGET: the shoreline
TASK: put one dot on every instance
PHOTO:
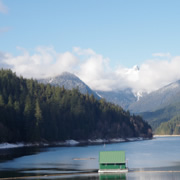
(70, 143)
(85, 173)
(156, 135)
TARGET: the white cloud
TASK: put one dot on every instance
(151, 75)
(45, 62)
(167, 55)
(155, 74)
(93, 68)
(80, 51)
(3, 8)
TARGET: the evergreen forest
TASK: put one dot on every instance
(157, 119)
(35, 112)
(171, 127)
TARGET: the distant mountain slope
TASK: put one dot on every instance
(69, 81)
(159, 116)
(157, 107)
(159, 99)
(122, 98)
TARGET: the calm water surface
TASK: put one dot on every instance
(150, 159)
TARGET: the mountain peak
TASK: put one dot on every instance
(66, 74)
(158, 99)
(69, 81)
(136, 68)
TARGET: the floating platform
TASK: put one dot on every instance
(112, 162)
(112, 170)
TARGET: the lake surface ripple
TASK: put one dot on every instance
(150, 159)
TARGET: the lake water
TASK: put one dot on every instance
(147, 160)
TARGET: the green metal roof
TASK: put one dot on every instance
(112, 157)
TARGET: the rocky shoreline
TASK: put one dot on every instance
(69, 143)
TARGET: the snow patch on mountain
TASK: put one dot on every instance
(69, 81)
(140, 94)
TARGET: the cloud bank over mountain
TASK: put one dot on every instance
(94, 69)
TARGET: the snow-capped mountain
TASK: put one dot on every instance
(140, 94)
(135, 102)
(156, 107)
(122, 98)
(158, 99)
(69, 81)
(136, 68)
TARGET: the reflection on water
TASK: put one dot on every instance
(160, 154)
(115, 176)
(128, 176)
(154, 176)
(10, 154)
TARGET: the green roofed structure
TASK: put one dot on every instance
(112, 161)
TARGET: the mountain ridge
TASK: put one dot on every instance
(122, 98)
(69, 81)
(156, 107)
(157, 99)
(35, 112)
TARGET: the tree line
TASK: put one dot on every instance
(34, 112)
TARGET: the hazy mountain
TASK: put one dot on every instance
(159, 116)
(122, 98)
(156, 107)
(69, 81)
(159, 99)
(171, 127)
(159, 106)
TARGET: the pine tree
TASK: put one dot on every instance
(10, 101)
(1, 100)
(38, 113)
(16, 106)
(28, 106)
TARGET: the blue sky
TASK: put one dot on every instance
(126, 32)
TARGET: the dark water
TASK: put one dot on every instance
(151, 159)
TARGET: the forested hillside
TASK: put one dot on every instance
(159, 116)
(172, 127)
(34, 112)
